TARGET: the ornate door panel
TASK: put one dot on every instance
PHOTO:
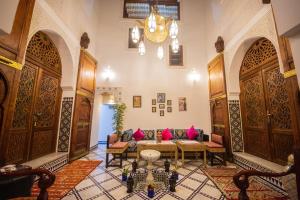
(218, 100)
(83, 126)
(20, 132)
(254, 112)
(279, 113)
(217, 86)
(45, 118)
(268, 120)
(82, 120)
(35, 117)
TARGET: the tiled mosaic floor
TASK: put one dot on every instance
(106, 184)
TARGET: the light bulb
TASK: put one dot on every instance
(160, 52)
(173, 29)
(152, 23)
(175, 45)
(142, 49)
(194, 75)
(135, 34)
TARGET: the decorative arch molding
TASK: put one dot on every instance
(261, 26)
(45, 19)
(259, 53)
(44, 50)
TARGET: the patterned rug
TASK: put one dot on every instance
(68, 177)
(223, 179)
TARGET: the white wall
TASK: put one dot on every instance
(8, 11)
(287, 17)
(147, 75)
(226, 18)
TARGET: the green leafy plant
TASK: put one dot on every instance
(118, 117)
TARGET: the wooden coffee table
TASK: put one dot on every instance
(191, 146)
(163, 146)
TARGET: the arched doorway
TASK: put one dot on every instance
(266, 112)
(37, 106)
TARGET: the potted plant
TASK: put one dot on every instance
(151, 192)
(118, 117)
(125, 174)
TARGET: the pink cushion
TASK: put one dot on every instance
(118, 145)
(113, 138)
(138, 135)
(191, 133)
(217, 138)
(212, 145)
(166, 134)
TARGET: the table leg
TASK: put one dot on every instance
(176, 157)
(182, 157)
(138, 155)
(204, 158)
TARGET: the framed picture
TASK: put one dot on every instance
(182, 103)
(131, 44)
(161, 97)
(169, 102)
(137, 101)
(153, 109)
(169, 109)
(153, 102)
(176, 59)
(162, 113)
(161, 106)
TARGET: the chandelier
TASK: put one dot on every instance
(157, 28)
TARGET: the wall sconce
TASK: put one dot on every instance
(108, 74)
(194, 75)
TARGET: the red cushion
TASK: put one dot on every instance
(191, 133)
(213, 145)
(138, 135)
(118, 145)
(166, 134)
(217, 138)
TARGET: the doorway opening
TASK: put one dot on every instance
(106, 117)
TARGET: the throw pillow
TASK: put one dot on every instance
(138, 135)
(191, 133)
(166, 134)
(127, 135)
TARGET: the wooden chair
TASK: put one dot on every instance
(215, 146)
(116, 148)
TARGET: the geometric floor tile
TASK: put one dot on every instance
(105, 183)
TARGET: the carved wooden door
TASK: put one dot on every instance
(254, 116)
(267, 118)
(278, 113)
(45, 114)
(82, 119)
(35, 119)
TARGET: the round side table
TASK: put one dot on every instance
(151, 156)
